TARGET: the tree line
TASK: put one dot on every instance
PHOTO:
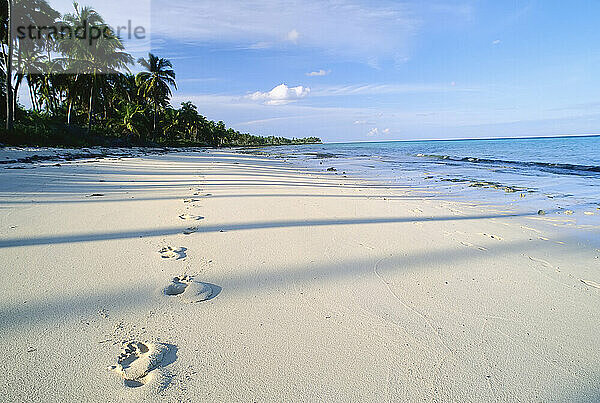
(83, 93)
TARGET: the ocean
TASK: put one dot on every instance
(559, 175)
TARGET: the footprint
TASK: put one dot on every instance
(191, 290)
(190, 230)
(190, 217)
(169, 252)
(138, 362)
(190, 200)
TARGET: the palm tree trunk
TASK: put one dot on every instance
(70, 96)
(155, 113)
(4, 55)
(19, 78)
(90, 107)
(70, 109)
(9, 90)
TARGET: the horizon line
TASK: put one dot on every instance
(556, 136)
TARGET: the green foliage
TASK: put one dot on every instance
(106, 105)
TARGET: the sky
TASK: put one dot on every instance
(360, 70)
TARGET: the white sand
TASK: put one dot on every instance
(323, 289)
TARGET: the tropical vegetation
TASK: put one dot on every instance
(85, 94)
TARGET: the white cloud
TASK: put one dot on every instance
(280, 95)
(318, 73)
(293, 36)
(360, 122)
(385, 131)
(497, 42)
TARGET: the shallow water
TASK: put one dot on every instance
(560, 175)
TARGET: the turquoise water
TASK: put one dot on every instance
(559, 173)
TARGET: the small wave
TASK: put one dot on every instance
(573, 169)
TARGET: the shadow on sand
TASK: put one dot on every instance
(144, 233)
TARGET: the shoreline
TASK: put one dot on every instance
(325, 287)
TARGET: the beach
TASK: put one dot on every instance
(291, 284)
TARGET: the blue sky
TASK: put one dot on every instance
(384, 70)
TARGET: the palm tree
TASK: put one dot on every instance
(30, 13)
(171, 123)
(125, 89)
(155, 83)
(8, 63)
(132, 118)
(88, 60)
(21, 13)
(49, 86)
(189, 120)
